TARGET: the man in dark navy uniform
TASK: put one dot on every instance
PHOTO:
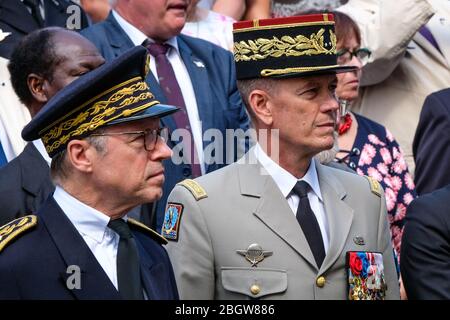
(425, 247)
(102, 133)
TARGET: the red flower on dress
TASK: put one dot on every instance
(382, 168)
(396, 153)
(390, 198)
(396, 183)
(400, 166)
(407, 198)
(367, 154)
(386, 155)
(409, 181)
(400, 212)
(374, 139)
(372, 172)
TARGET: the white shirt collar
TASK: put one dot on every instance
(88, 221)
(285, 180)
(41, 148)
(136, 35)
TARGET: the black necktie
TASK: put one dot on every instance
(35, 11)
(308, 222)
(128, 270)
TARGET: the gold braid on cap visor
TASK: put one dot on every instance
(99, 114)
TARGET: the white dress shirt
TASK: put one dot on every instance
(286, 182)
(93, 227)
(182, 76)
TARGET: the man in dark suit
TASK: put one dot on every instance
(80, 244)
(44, 62)
(425, 250)
(431, 145)
(20, 17)
(202, 82)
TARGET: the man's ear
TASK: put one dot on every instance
(260, 102)
(80, 155)
(36, 86)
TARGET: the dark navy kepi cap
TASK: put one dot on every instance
(116, 92)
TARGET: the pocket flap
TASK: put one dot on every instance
(254, 282)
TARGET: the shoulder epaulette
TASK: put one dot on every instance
(197, 191)
(153, 234)
(16, 227)
(375, 186)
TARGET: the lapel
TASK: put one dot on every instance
(198, 73)
(95, 284)
(150, 271)
(34, 169)
(339, 214)
(117, 37)
(439, 27)
(16, 14)
(272, 208)
(429, 48)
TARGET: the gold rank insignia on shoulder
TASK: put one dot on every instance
(254, 254)
(11, 230)
(171, 223)
(153, 234)
(375, 186)
(197, 191)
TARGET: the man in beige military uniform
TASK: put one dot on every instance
(279, 226)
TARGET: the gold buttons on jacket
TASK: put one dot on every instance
(255, 289)
(320, 282)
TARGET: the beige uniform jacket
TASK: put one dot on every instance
(245, 207)
(405, 67)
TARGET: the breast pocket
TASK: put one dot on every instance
(254, 282)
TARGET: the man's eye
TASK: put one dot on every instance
(309, 92)
(137, 137)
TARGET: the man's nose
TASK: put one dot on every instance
(162, 151)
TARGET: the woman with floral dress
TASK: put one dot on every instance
(364, 145)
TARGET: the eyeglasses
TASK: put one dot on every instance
(150, 136)
(344, 56)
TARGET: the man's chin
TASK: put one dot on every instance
(153, 195)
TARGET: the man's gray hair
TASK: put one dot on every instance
(60, 168)
(246, 87)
